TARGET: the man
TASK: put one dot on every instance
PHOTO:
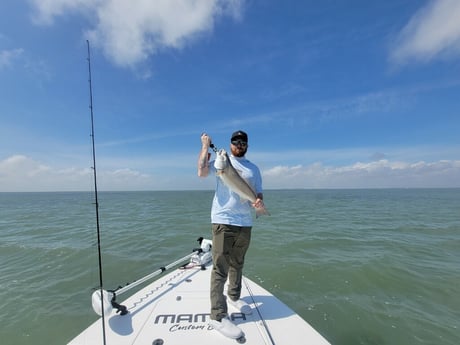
(231, 232)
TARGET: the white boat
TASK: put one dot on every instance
(174, 310)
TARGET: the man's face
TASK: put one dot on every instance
(238, 147)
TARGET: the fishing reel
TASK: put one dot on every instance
(203, 254)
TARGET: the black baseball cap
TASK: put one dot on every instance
(240, 135)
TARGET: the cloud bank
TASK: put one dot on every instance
(129, 32)
(378, 174)
(433, 32)
(19, 173)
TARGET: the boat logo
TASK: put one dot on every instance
(191, 322)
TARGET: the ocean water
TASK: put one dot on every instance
(367, 267)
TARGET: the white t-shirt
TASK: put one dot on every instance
(227, 207)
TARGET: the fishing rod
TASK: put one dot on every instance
(99, 294)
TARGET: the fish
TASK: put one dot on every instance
(233, 180)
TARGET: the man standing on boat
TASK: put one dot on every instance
(231, 232)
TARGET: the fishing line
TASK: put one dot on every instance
(96, 202)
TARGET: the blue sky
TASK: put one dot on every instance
(333, 94)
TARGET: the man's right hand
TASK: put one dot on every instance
(205, 141)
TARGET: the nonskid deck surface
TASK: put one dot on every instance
(174, 310)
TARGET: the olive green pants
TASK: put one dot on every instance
(229, 246)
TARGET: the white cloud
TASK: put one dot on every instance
(131, 31)
(20, 174)
(432, 32)
(7, 57)
(377, 174)
(47, 10)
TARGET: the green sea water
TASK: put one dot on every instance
(361, 266)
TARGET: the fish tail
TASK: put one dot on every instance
(261, 211)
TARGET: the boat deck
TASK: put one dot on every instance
(174, 310)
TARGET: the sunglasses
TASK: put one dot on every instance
(239, 143)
